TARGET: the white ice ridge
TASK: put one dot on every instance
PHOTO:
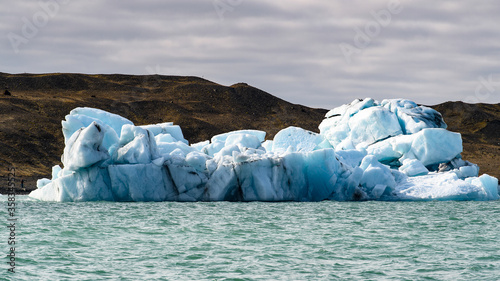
(366, 150)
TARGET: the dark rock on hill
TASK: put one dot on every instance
(30, 117)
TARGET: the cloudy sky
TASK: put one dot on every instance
(317, 53)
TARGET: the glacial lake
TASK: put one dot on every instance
(254, 241)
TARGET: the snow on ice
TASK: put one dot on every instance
(366, 150)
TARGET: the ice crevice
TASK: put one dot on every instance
(366, 150)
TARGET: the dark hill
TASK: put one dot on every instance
(30, 117)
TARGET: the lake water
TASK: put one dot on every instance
(254, 241)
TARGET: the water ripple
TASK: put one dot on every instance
(257, 241)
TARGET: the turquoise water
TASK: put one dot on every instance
(255, 241)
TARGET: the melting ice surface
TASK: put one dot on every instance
(366, 150)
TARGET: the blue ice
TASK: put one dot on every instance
(366, 150)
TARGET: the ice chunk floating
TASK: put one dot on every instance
(366, 150)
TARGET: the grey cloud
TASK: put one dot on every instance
(430, 52)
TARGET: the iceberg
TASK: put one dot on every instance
(365, 150)
(429, 146)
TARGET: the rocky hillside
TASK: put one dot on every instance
(33, 105)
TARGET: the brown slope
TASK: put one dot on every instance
(30, 118)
